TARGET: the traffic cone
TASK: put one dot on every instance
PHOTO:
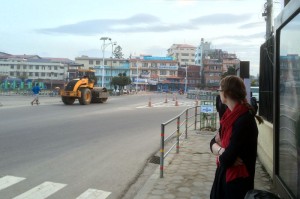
(149, 103)
(176, 102)
(166, 99)
(173, 97)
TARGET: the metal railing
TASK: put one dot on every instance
(186, 119)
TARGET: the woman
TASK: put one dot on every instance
(235, 146)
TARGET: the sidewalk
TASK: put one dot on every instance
(189, 174)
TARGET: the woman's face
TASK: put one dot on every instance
(223, 99)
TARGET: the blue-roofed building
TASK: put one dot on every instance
(112, 67)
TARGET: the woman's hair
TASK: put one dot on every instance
(234, 88)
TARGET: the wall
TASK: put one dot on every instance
(265, 146)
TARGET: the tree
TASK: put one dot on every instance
(121, 80)
(230, 71)
(118, 53)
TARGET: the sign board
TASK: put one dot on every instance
(158, 58)
(168, 67)
(206, 108)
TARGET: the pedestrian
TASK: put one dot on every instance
(36, 90)
(235, 145)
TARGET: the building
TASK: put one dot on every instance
(50, 72)
(117, 67)
(212, 72)
(149, 71)
(112, 67)
(203, 48)
(192, 74)
(230, 60)
(183, 53)
(213, 63)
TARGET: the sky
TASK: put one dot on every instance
(72, 28)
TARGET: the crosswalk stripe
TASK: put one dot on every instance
(94, 194)
(7, 181)
(41, 191)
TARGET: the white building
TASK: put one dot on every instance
(47, 70)
(183, 53)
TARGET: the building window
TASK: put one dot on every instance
(30, 67)
(37, 67)
(163, 72)
(24, 67)
(12, 66)
(97, 62)
(172, 73)
(154, 65)
(18, 66)
(43, 74)
(184, 54)
(49, 68)
(12, 74)
(30, 74)
(36, 74)
(91, 62)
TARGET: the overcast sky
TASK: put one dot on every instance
(71, 28)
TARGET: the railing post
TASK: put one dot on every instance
(162, 150)
(195, 117)
(178, 132)
(186, 122)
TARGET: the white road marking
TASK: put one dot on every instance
(94, 194)
(7, 181)
(41, 191)
(168, 105)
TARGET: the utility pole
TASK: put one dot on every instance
(268, 14)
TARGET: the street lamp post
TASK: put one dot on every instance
(103, 50)
(185, 86)
(137, 77)
(112, 55)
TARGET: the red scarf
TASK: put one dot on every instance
(227, 122)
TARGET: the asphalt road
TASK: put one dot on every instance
(77, 148)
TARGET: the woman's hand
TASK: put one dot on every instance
(218, 139)
(238, 162)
